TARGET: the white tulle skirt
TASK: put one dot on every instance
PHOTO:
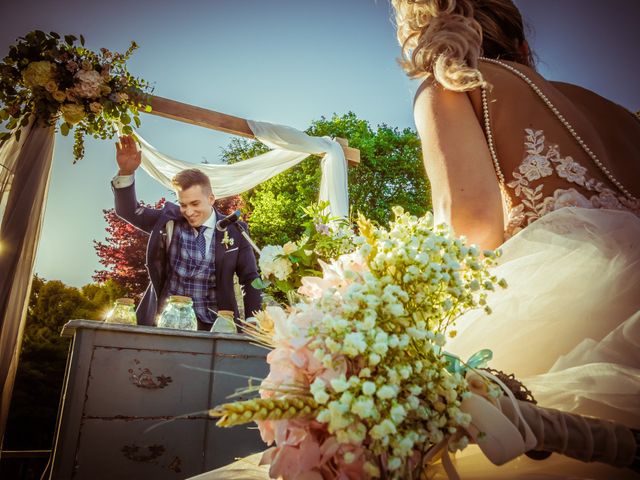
(568, 326)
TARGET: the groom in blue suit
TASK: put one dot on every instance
(186, 254)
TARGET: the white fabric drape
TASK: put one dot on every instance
(289, 147)
(24, 183)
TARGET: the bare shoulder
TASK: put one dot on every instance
(433, 104)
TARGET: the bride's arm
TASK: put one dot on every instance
(464, 186)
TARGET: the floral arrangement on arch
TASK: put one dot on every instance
(282, 267)
(359, 385)
(47, 77)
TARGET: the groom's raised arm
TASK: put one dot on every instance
(127, 207)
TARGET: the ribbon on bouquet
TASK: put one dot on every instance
(497, 436)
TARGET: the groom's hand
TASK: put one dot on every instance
(127, 155)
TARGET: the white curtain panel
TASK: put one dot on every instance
(289, 147)
(26, 169)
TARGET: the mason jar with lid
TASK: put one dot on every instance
(123, 312)
(224, 323)
(178, 313)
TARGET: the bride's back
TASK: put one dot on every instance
(537, 151)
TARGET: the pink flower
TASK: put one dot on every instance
(333, 276)
(89, 84)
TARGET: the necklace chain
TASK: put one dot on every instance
(556, 112)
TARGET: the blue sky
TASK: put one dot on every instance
(283, 61)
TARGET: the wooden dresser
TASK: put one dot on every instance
(135, 402)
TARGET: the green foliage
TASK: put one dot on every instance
(390, 173)
(43, 358)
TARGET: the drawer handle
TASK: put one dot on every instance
(145, 379)
(135, 454)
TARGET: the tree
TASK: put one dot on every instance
(43, 358)
(390, 173)
(123, 253)
(228, 205)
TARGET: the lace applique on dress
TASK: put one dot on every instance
(539, 163)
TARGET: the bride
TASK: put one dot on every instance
(550, 173)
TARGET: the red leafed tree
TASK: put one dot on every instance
(228, 205)
(123, 254)
(124, 250)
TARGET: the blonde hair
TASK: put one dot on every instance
(188, 178)
(442, 39)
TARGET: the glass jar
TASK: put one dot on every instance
(178, 313)
(224, 323)
(122, 312)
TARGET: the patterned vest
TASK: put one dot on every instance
(189, 274)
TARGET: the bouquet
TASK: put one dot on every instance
(283, 267)
(51, 78)
(359, 386)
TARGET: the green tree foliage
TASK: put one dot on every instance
(390, 173)
(43, 358)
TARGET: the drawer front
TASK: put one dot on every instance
(225, 445)
(136, 383)
(140, 449)
(233, 372)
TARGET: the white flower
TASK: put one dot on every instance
(569, 198)
(339, 384)
(386, 392)
(227, 241)
(274, 262)
(289, 247)
(374, 359)
(384, 428)
(535, 166)
(363, 407)
(459, 444)
(394, 463)
(398, 413)
(571, 170)
(354, 344)
(318, 391)
(368, 388)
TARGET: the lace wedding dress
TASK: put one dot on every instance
(568, 325)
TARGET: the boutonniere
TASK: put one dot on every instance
(227, 241)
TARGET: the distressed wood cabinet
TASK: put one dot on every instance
(135, 402)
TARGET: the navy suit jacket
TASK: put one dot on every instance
(237, 258)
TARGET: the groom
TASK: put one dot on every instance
(186, 255)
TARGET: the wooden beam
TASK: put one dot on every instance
(183, 112)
